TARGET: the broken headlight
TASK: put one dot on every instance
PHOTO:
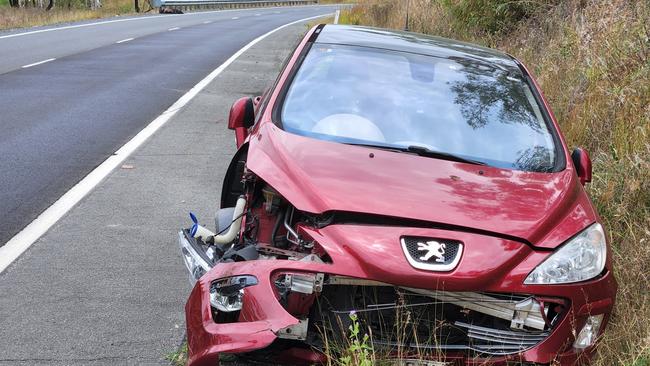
(580, 259)
(589, 333)
(227, 294)
(196, 264)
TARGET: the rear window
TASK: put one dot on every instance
(463, 107)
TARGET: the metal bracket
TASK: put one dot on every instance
(305, 283)
(520, 314)
(296, 331)
(527, 312)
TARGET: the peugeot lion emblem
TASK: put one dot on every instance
(433, 248)
(432, 254)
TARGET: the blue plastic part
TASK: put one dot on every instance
(194, 227)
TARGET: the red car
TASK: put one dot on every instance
(417, 182)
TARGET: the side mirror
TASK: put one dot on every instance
(582, 163)
(242, 117)
(242, 114)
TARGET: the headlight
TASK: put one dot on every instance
(589, 333)
(227, 294)
(195, 264)
(580, 259)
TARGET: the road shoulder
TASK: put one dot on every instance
(106, 284)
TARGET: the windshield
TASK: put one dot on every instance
(458, 107)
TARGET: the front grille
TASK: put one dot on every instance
(497, 341)
(422, 320)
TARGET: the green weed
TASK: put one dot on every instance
(359, 351)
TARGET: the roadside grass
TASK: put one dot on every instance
(644, 361)
(178, 357)
(324, 20)
(592, 61)
(338, 2)
(30, 17)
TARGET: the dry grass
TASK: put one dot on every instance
(591, 59)
(29, 17)
(337, 1)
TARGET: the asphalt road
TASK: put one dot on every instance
(61, 118)
(106, 284)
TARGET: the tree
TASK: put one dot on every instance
(137, 6)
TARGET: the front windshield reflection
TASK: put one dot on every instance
(459, 106)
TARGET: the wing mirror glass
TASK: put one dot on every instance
(582, 163)
(242, 114)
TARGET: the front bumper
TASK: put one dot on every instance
(262, 316)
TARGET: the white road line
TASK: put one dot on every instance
(207, 22)
(124, 40)
(91, 24)
(38, 63)
(129, 20)
(257, 15)
(235, 18)
(173, 29)
(26, 237)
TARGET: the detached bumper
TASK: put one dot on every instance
(261, 317)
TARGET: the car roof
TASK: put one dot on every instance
(413, 43)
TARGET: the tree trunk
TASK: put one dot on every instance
(50, 5)
(13, 3)
(137, 6)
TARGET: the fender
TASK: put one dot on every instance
(232, 187)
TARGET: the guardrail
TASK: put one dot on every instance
(229, 4)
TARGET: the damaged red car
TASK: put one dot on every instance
(417, 182)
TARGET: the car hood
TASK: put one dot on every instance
(543, 209)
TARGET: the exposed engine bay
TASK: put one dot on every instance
(263, 226)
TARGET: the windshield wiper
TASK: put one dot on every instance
(383, 147)
(423, 151)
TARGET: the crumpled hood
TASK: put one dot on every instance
(544, 209)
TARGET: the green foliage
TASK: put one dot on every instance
(71, 4)
(360, 351)
(492, 16)
(643, 361)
